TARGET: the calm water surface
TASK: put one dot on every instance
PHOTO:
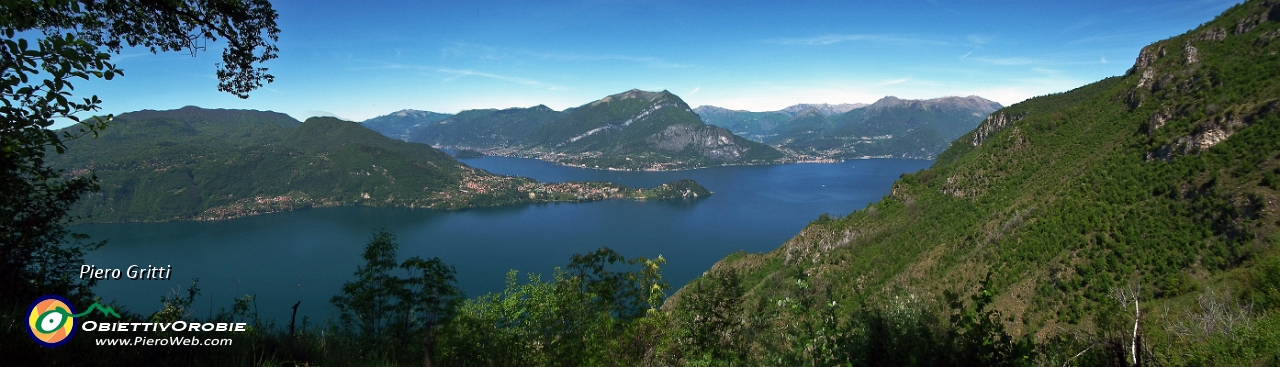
(306, 255)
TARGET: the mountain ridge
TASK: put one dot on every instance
(889, 127)
(180, 165)
(1156, 188)
(631, 130)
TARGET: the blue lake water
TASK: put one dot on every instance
(306, 255)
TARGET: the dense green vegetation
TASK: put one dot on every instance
(1129, 221)
(47, 47)
(200, 164)
(1118, 190)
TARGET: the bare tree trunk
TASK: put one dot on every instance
(1133, 348)
(294, 317)
(427, 343)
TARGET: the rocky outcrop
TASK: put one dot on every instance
(993, 124)
(1248, 23)
(1211, 34)
(1146, 57)
(1265, 38)
(1157, 121)
(1206, 135)
(709, 141)
(1189, 54)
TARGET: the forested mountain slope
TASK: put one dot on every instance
(202, 164)
(1159, 185)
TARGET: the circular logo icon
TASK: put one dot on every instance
(50, 321)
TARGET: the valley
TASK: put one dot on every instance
(668, 135)
(200, 164)
(1102, 213)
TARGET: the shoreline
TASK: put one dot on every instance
(510, 153)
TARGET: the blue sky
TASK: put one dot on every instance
(357, 61)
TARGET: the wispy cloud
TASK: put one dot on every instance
(459, 73)
(895, 81)
(1114, 37)
(456, 74)
(1005, 61)
(644, 60)
(838, 38)
(497, 53)
(695, 90)
(1082, 23)
(1047, 71)
(979, 39)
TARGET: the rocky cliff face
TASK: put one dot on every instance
(991, 125)
(708, 141)
(1171, 70)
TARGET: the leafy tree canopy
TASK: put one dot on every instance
(49, 43)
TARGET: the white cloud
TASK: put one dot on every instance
(979, 40)
(837, 38)
(1005, 61)
(458, 73)
(894, 81)
(496, 53)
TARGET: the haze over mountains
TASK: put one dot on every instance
(890, 127)
(398, 125)
(629, 130)
(202, 164)
(601, 134)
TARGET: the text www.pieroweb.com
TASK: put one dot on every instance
(173, 340)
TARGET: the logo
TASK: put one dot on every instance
(51, 321)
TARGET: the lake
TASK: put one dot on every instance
(307, 255)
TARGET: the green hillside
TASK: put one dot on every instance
(198, 164)
(1158, 185)
(651, 130)
(629, 130)
(752, 125)
(400, 125)
(486, 129)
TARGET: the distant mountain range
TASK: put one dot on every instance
(398, 125)
(202, 164)
(657, 130)
(890, 127)
(823, 108)
(630, 130)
